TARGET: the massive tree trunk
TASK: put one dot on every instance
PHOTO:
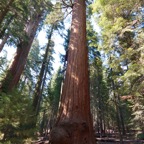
(23, 48)
(37, 94)
(4, 11)
(74, 124)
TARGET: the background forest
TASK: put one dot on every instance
(30, 85)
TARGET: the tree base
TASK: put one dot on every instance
(71, 133)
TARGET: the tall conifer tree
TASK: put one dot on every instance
(74, 123)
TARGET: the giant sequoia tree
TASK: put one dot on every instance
(74, 123)
(23, 48)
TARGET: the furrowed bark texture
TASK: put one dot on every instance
(23, 48)
(74, 124)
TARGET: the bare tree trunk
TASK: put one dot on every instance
(5, 10)
(74, 124)
(23, 48)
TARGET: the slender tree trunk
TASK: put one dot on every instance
(5, 10)
(117, 114)
(104, 125)
(100, 107)
(74, 124)
(41, 83)
(37, 93)
(3, 42)
(119, 110)
(23, 48)
(121, 116)
(43, 123)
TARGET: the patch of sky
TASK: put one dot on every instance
(42, 37)
(58, 40)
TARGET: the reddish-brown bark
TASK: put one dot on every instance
(74, 124)
(126, 97)
(23, 48)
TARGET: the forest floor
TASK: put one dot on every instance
(110, 139)
(113, 138)
(106, 139)
(117, 141)
(103, 141)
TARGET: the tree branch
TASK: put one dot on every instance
(71, 2)
(65, 4)
(60, 18)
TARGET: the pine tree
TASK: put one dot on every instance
(45, 62)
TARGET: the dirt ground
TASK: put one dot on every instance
(111, 140)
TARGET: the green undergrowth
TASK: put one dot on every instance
(16, 118)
